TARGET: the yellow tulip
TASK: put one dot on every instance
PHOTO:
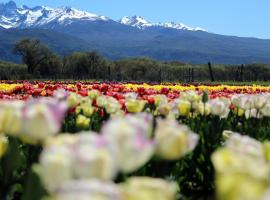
(173, 140)
(184, 107)
(82, 122)
(134, 105)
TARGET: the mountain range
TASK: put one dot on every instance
(67, 30)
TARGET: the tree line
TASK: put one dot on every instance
(38, 61)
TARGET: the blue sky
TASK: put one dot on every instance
(229, 17)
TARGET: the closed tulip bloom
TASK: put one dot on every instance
(184, 107)
(73, 100)
(11, 117)
(146, 188)
(241, 169)
(219, 108)
(131, 136)
(99, 162)
(135, 106)
(174, 140)
(112, 106)
(203, 108)
(102, 101)
(42, 120)
(243, 101)
(192, 96)
(56, 167)
(259, 100)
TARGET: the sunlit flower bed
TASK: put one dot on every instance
(112, 141)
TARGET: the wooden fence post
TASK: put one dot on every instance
(211, 72)
(192, 75)
(160, 75)
(242, 73)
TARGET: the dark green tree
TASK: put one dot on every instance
(33, 53)
(85, 65)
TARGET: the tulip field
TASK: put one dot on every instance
(134, 141)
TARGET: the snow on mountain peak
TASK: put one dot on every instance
(141, 23)
(13, 17)
(135, 21)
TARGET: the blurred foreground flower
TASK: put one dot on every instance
(131, 134)
(146, 188)
(82, 156)
(32, 121)
(42, 119)
(174, 140)
(11, 117)
(242, 169)
(88, 190)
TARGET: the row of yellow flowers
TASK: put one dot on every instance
(4, 87)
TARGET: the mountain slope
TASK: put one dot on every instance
(59, 42)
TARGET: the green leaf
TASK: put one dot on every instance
(12, 162)
(34, 189)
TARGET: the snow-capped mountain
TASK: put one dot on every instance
(141, 23)
(12, 16)
(136, 21)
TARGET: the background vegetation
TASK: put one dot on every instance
(39, 62)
